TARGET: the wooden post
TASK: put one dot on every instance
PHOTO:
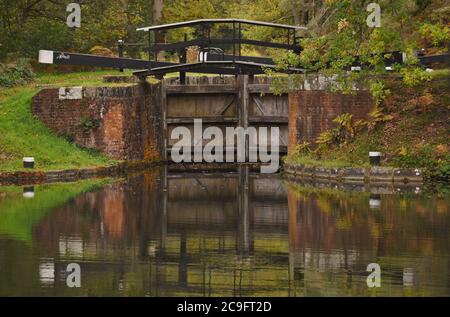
(163, 100)
(120, 49)
(242, 82)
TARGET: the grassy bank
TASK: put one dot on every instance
(23, 135)
(417, 135)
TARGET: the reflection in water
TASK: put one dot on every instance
(47, 272)
(220, 234)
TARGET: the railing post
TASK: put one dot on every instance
(155, 42)
(120, 49)
(183, 60)
(240, 38)
(234, 42)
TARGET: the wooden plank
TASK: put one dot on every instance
(204, 120)
(201, 89)
(226, 106)
(258, 104)
(268, 119)
(259, 89)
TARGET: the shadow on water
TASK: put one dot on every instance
(220, 234)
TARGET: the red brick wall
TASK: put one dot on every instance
(125, 121)
(311, 112)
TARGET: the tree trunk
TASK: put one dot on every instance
(297, 7)
(158, 6)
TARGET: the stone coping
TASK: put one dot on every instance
(40, 177)
(359, 175)
(378, 188)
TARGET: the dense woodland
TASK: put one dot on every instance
(337, 31)
(29, 25)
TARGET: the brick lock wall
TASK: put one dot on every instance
(122, 122)
(311, 112)
(125, 123)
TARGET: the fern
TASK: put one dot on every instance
(377, 116)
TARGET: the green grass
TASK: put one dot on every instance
(23, 135)
(310, 160)
(81, 79)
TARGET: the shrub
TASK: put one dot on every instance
(435, 33)
(344, 132)
(442, 172)
(379, 92)
(432, 158)
(17, 74)
(302, 149)
(415, 76)
(101, 51)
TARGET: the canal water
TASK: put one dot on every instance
(221, 234)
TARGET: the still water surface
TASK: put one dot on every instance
(220, 234)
